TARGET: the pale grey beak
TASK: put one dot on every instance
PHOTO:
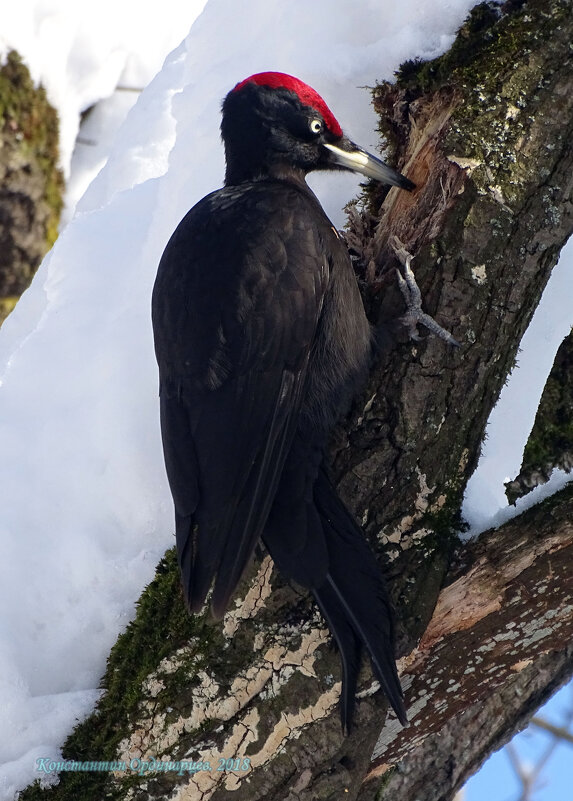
(359, 160)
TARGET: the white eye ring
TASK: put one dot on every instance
(316, 126)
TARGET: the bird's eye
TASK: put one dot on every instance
(316, 126)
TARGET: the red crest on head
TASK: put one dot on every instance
(305, 93)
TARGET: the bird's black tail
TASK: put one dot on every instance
(355, 602)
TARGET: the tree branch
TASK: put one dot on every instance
(502, 627)
(559, 732)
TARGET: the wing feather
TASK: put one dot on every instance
(235, 309)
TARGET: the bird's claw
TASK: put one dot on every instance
(413, 299)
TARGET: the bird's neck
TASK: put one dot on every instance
(277, 171)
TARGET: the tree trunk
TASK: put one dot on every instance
(31, 183)
(486, 134)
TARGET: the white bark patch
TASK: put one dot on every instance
(253, 601)
(403, 533)
(479, 274)
(512, 112)
(155, 736)
(465, 163)
(521, 665)
(204, 783)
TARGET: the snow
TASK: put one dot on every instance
(81, 51)
(86, 512)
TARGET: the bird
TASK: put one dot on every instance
(262, 342)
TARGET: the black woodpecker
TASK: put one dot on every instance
(262, 340)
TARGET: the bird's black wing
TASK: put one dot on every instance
(235, 308)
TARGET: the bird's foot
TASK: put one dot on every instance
(413, 299)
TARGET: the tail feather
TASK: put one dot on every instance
(355, 602)
(348, 645)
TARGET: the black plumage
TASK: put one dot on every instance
(261, 340)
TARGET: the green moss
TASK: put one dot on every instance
(162, 630)
(494, 103)
(444, 524)
(161, 625)
(384, 781)
(552, 432)
(416, 77)
(6, 306)
(74, 787)
(29, 128)
(478, 33)
(550, 443)
(488, 76)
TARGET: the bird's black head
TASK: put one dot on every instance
(274, 124)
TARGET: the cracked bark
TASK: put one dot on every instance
(486, 133)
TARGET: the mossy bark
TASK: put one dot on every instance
(486, 134)
(550, 443)
(31, 183)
